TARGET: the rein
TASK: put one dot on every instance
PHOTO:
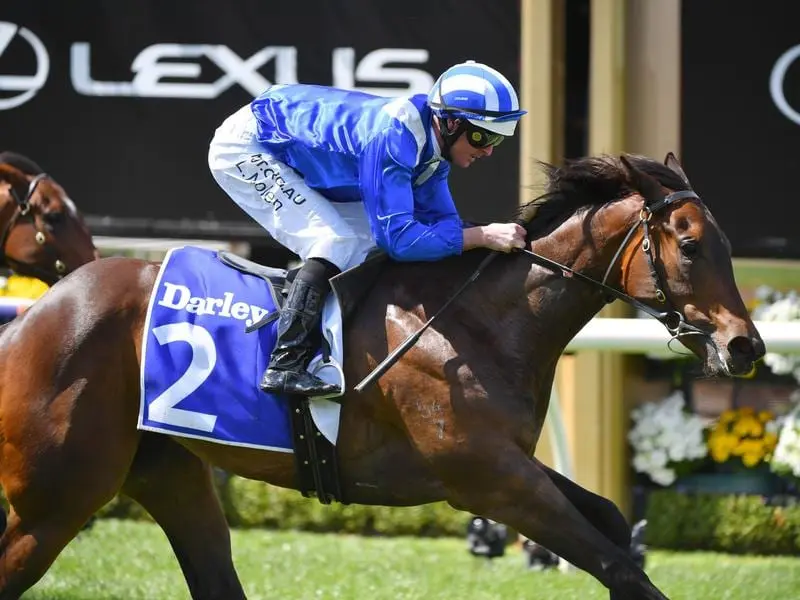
(673, 320)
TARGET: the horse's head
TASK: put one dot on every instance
(678, 261)
(42, 234)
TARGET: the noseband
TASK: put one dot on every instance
(22, 211)
(672, 319)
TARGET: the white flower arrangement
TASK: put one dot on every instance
(665, 437)
(773, 305)
(786, 457)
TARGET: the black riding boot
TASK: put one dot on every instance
(299, 335)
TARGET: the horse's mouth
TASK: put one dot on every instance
(747, 374)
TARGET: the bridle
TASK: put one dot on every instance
(672, 319)
(22, 212)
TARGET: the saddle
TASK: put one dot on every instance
(350, 286)
(278, 280)
(316, 462)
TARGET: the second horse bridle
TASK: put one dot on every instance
(22, 211)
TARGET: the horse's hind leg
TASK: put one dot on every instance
(55, 478)
(48, 507)
(30, 545)
(176, 488)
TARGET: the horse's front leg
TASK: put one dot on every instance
(600, 512)
(499, 481)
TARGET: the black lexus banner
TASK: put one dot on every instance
(741, 119)
(118, 100)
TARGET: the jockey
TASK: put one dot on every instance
(333, 173)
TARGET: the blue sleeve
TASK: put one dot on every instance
(433, 201)
(385, 170)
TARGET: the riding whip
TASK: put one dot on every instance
(395, 355)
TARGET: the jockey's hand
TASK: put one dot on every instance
(503, 237)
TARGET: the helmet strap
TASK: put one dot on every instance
(449, 137)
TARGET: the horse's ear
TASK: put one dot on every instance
(672, 162)
(15, 178)
(646, 185)
(10, 174)
(6, 171)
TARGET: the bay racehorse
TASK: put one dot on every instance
(42, 234)
(457, 418)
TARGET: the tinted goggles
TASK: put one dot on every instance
(480, 138)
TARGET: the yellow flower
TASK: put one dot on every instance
(751, 446)
(720, 454)
(721, 446)
(770, 441)
(748, 425)
(742, 433)
(751, 459)
(751, 451)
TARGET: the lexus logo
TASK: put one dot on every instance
(22, 87)
(776, 83)
(162, 70)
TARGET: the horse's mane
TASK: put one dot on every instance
(585, 182)
(20, 162)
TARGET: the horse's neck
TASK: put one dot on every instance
(523, 315)
(558, 306)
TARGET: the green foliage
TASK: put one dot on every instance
(253, 504)
(122, 507)
(250, 503)
(736, 524)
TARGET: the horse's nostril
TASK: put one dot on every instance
(745, 349)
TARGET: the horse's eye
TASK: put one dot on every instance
(690, 248)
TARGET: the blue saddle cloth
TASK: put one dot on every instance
(200, 371)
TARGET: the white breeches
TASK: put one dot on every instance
(277, 197)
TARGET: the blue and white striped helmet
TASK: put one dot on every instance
(479, 94)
